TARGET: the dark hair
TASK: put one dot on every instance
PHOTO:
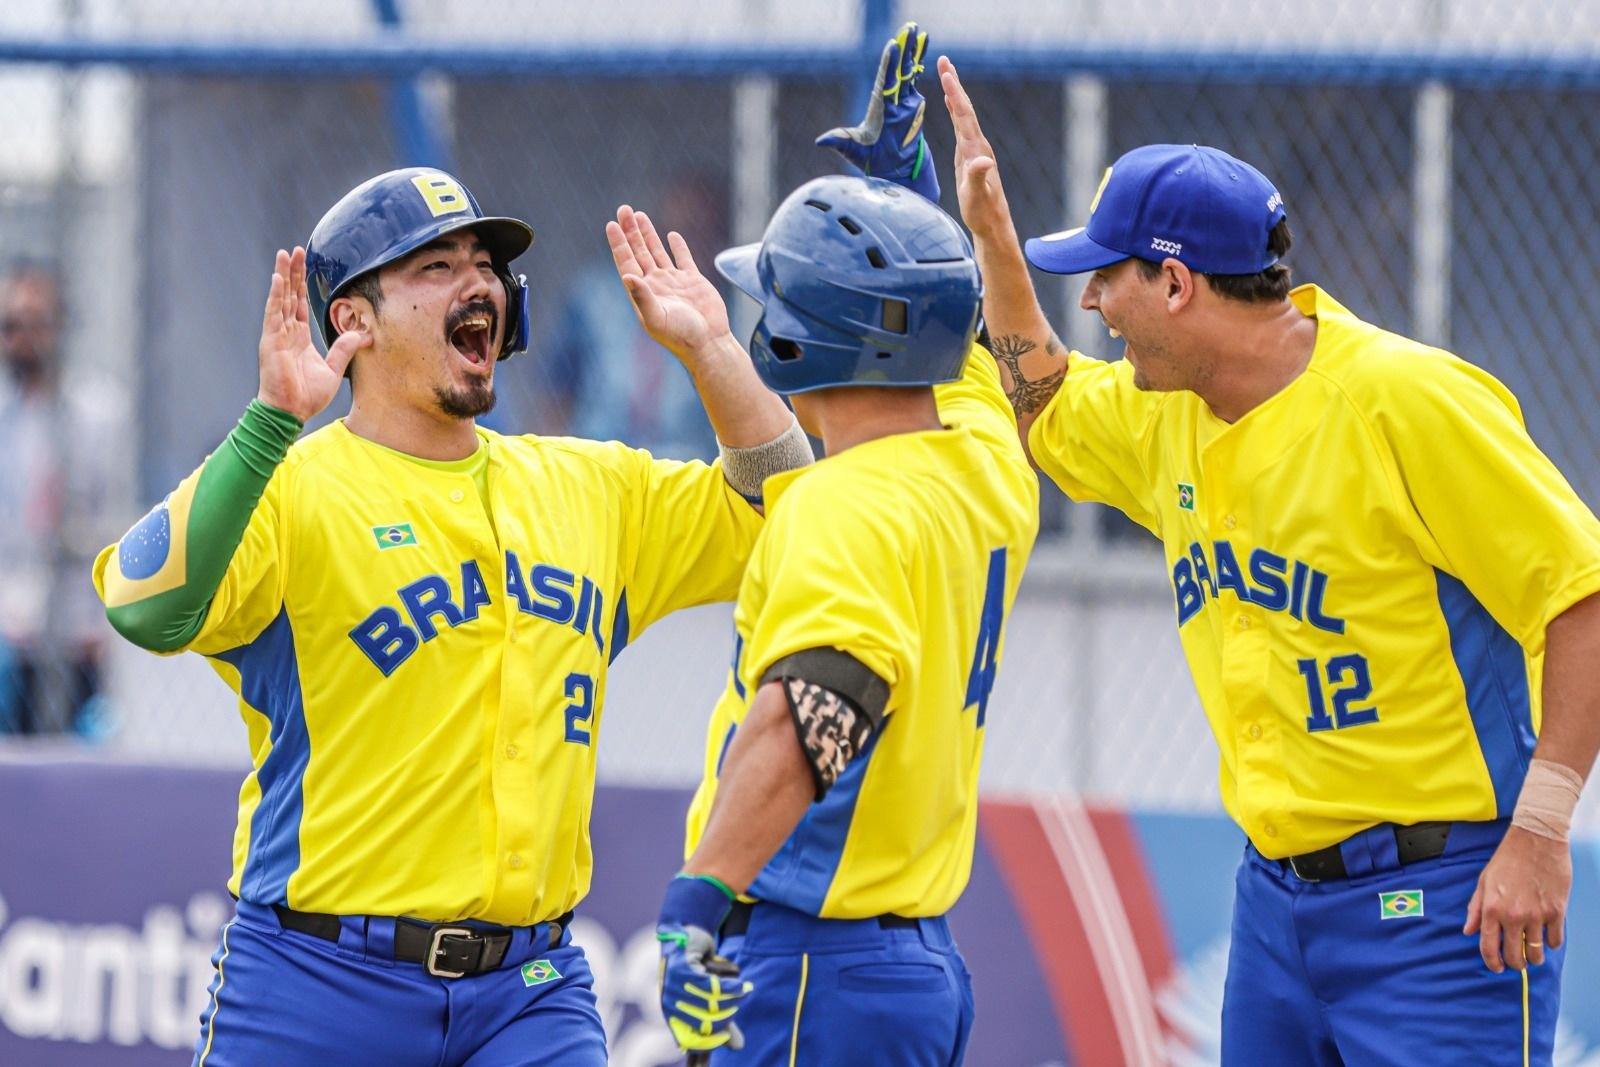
(368, 286)
(1264, 287)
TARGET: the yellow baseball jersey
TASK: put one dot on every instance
(905, 552)
(1363, 569)
(422, 677)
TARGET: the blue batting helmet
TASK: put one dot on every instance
(394, 214)
(860, 283)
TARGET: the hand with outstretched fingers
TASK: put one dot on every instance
(700, 991)
(888, 143)
(294, 376)
(978, 189)
(676, 304)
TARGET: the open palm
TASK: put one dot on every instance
(978, 189)
(677, 305)
(294, 376)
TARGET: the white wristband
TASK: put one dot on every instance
(1548, 798)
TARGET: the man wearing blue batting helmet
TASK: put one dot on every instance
(419, 653)
(834, 825)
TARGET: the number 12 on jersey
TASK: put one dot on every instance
(1353, 682)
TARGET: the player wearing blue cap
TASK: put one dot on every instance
(1386, 593)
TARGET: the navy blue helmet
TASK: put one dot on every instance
(860, 283)
(394, 214)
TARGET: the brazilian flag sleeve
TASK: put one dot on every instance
(160, 580)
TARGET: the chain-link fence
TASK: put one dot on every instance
(1438, 160)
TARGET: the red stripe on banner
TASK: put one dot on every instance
(1136, 887)
(1055, 922)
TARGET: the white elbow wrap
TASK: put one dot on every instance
(1548, 798)
(746, 468)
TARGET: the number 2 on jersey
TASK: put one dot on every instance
(1349, 672)
(580, 690)
(980, 680)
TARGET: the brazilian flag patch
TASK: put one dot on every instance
(1186, 496)
(1401, 904)
(397, 536)
(538, 972)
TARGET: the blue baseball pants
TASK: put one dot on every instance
(290, 999)
(1373, 969)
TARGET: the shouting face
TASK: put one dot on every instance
(437, 319)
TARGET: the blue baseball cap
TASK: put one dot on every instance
(1191, 203)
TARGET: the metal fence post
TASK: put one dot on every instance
(1431, 212)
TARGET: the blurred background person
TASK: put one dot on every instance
(59, 499)
(607, 380)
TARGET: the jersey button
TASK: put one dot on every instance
(511, 752)
(1269, 829)
(1244, 622)
(1229, 521)
(1255, 731)
(514, 861)
(477, 546)
(457, 495)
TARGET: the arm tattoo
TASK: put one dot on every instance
(1027, 396)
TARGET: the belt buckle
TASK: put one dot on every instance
(1293, 866)
(436, 949)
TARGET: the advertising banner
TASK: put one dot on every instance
(1095, 937)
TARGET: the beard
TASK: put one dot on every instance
(465, 401)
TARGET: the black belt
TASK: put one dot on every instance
(445, 950)
(1413, 844)
(738, 920)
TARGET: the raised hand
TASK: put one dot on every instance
(677, 305)
(294, 376)
(978, 189)
(888, 141)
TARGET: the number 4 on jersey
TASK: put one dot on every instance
(985, 657)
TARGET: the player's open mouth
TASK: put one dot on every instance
(471, 338)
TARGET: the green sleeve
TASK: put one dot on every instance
(228, 490)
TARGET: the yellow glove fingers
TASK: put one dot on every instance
(707, 1016)
(889, 83)
(691, 1040)
(916, 57)
(907, 47)
(717, 991)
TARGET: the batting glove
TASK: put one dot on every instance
(700, 991)
(888, 143)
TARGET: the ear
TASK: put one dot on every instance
(350, 313)
(1179, 282)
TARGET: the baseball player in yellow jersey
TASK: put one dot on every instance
(417, 615)
(835, 823)
(1385, 592)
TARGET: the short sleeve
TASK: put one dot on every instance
(976, 401)
(690, 535)
(836, 580)
(1494, 511)
(1089, 438)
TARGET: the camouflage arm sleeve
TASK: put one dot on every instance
(835, 702)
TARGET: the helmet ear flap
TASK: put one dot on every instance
(517, 313)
